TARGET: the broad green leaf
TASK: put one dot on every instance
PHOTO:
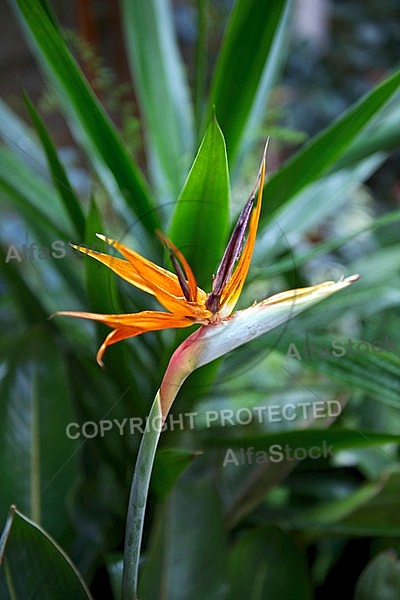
(59, 176)
(38, 462)
(169, 465)
(106, 444)
(322, 152)
(187, 553)
(204, 203)
(161, 89)
(266, 564)
(90, 123)
(246, 49)
(98, 511)
(380, 580)
(33, 565)
(200, 222)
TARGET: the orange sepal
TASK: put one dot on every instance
(130, 325)
(146, 276)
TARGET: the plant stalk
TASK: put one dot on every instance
(138, 501)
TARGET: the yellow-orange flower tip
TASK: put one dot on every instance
(106, 239)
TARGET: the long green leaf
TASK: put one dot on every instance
(265, 564)
(104, 147)
(333, 244)
(376, 373)
(246, 49)
(37, 457)
(372, 510)
(194, 499)
(169, 465)
(340, 439)
(59, 176)
(161, 89)
(32, 195)
(200, 222)
(204, 203)
(30, 305)
(383, 137)
(254, 127)
(323, 151)
(18, 136)
(312, 206)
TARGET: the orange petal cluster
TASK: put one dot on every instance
(179, 294)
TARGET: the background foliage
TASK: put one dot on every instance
(310, 529)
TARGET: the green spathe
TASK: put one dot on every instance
(217, 339)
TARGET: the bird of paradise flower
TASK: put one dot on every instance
(221, 330)
(187, 304)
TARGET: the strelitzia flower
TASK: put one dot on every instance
(221, 330)
(186, 304)
(178, 292)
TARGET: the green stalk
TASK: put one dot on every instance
(138, 500)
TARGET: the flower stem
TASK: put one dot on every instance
(138, 501)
